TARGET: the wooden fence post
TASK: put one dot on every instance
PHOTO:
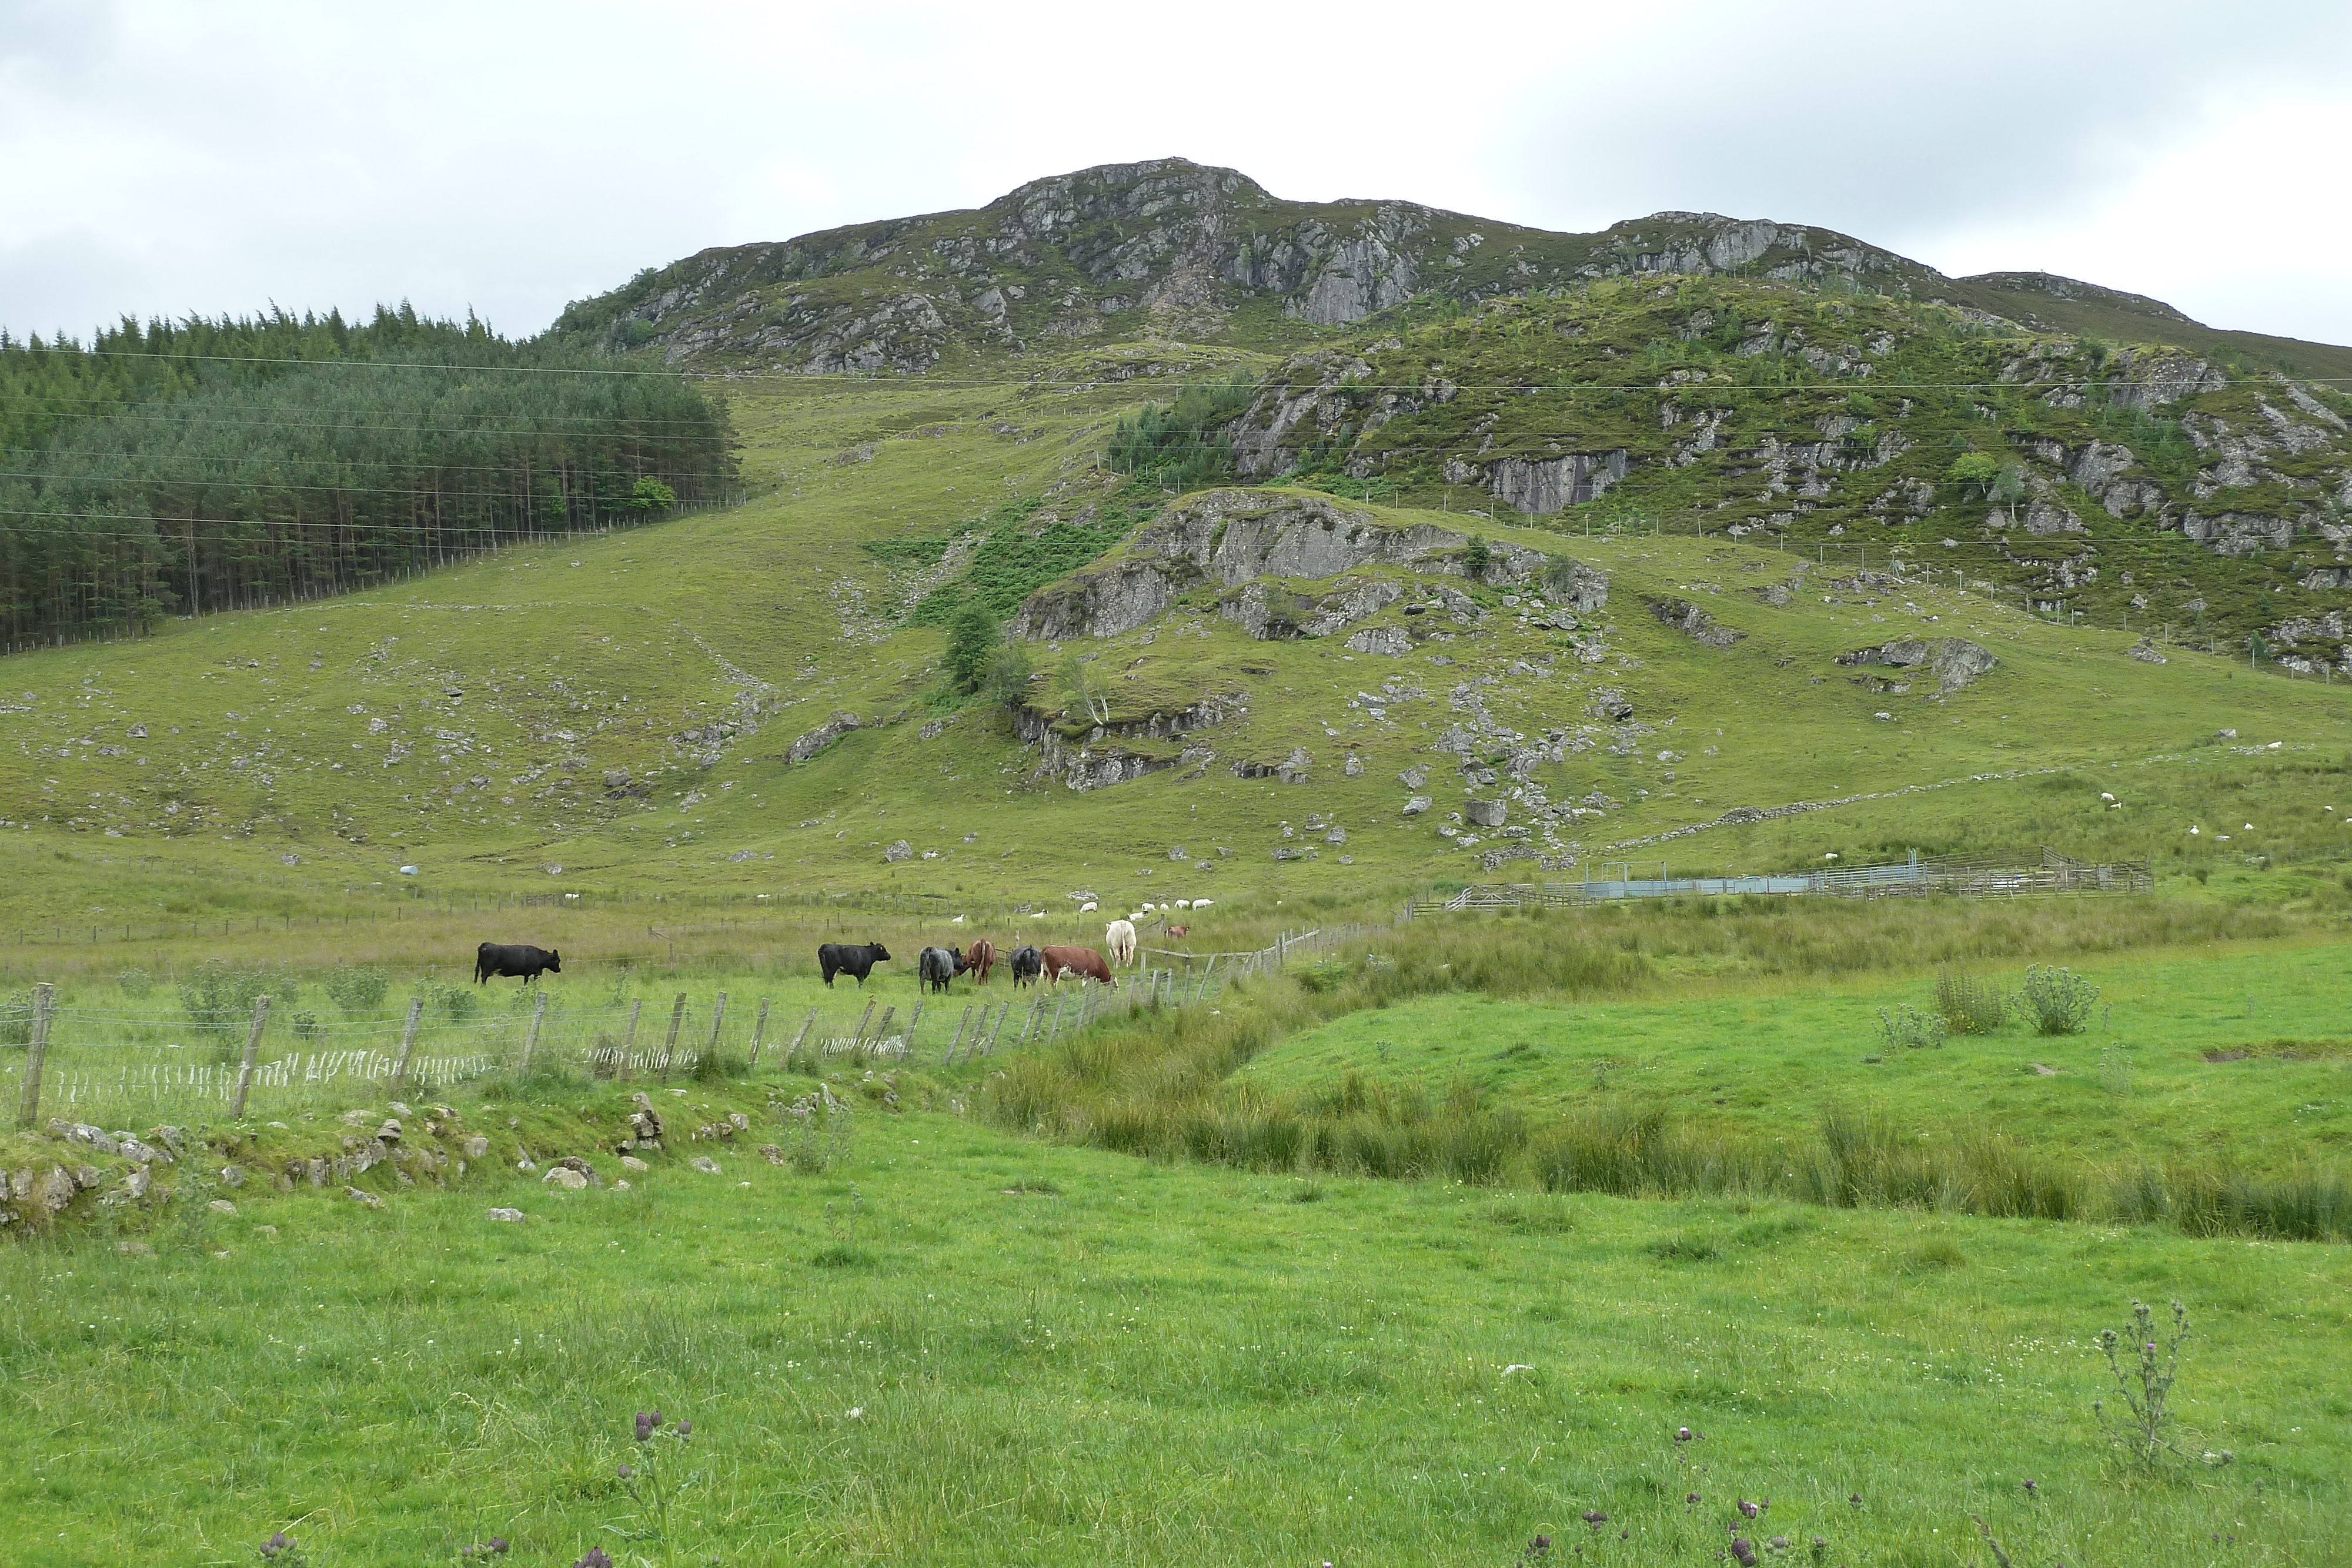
(913, 1024)
(864, 1018)
(252, 1051)
(758, 1033)
(718, 1016)
(530, 1040)
(669, 1047)
(1002, 1013)
(961, 1024)
(801, 1038)
(44, 996)
(629, 1040)
(407, 1047)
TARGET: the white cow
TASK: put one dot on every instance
(1118, 940)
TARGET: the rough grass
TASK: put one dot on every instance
(963, 1348)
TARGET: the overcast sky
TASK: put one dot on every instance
(161, 158)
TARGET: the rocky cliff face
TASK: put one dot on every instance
(1231, 539)
(1167, 248)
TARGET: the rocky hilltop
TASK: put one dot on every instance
(1175, 249)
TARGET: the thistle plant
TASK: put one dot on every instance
(2144, 1378)
(655, 1477)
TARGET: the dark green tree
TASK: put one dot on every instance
(972, 636)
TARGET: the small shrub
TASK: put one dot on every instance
(358, 991)
(1970, 1005)
(219, 1001)
(1476, 556)
(306, 1027)
(2060, 1001)
(1910, 1028)
(457, 1003)
(16, 1018)
(136, 984)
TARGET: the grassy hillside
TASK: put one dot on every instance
(620, 705)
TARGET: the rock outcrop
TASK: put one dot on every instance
(1118, 750)
(809, 743)
(1953, 660)
(1694, 623)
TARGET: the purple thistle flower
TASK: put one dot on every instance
(1691, 1499)
(1743, 1550)
(1595, 1518)
(1749, 1510)
(1682, 1434)
(1855, 1499)
(500, 1543)
(595, 1558)
(649, 1421)
(684, 1427)
(2031, 1489)
(1779, 1543)
(277, 1543)
(1538, 1546)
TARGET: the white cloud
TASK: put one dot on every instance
(163, 158)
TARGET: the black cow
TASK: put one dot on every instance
(935, 966)
(1026, 963)
(855, 961)
(505, 958)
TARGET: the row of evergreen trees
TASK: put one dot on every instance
(167, 469)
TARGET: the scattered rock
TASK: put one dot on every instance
(1416, 806)
(507, 1215)
(476, 1147)
(1413, 778)
(900, 851)
(363, 1197)
(134, 1249)
(1486, 813)
(631, 1163)
(644, 1122)
(232, 1175)
(2145, 652)
(705, 1163)
(2042, 1072)
(2225, 734)
(1354, 767)
(390, 1132)
(772, 1155)
(564, 1177)
(221, 1206)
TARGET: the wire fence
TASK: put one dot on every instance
(118, 1066)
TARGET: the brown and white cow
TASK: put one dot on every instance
(1083, 962)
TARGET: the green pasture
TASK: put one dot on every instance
(2243, 1054)
(959, 1346)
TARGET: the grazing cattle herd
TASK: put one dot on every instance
(935, 967)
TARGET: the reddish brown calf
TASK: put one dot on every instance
(979, 958)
